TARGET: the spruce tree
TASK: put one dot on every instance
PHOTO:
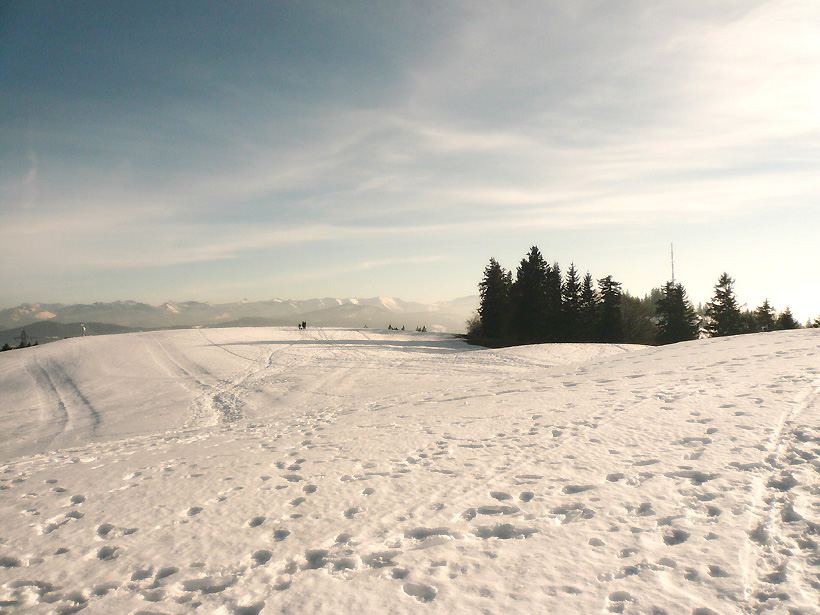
(638, 320)
(609, 315)
(722, 312)
(494, 309)
(677, 321)
(555, 309)
(786, 321)
(529, 298)
(588, 310)
(571, 295)
(765, 317)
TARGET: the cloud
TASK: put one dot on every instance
(502, 122)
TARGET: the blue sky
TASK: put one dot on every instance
(218, 151)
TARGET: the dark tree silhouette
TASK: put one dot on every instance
(609, 316)
(588, 313)
(786, 321)
(494, 309)
(571, 295)
(677, 321)
(555, 308)
(637, 320)
(765, 317)
(722, 313)
(529, 298)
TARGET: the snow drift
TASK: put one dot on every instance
(255, 471)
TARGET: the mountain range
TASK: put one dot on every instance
(51, 321)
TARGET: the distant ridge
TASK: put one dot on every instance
(43, 332)
(374, 312)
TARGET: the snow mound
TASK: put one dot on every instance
(272, 470)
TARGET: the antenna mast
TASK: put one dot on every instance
(672, 252)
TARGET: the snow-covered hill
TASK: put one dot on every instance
(256, 471)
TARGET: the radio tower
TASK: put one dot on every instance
(672, 253)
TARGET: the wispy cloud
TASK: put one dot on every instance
(491, 122)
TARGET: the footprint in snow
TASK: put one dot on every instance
(140, 574)
(315, 559)
(573, 489)
(104, 529)
(717, 572)
(107, 553)
(504, 531)
(422, 593)
(676, 537)
(165, 572)
(9, 561)
(645, 510)
(261, 557)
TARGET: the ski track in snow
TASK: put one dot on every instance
(256, 471)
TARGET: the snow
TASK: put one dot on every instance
(271, 470)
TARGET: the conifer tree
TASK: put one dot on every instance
(786, 321)
(677, 321)
(637, 320)
(494, 309)
(555, 309)
(529, 298)
(609, 316)
(588, 310)
(722, 312)
(571, 295)
(765, 317)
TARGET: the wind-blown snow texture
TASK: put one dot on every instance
(256, 471)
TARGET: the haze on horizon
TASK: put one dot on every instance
(215, 151)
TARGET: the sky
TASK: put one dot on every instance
(218, 151)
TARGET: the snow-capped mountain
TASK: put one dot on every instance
(374, 312)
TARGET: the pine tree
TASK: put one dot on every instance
(765, 317)
(677, 321)
(637, 320)
(571, 295)
(555, 308)
(588, 310)
(609, 316)
(529, 298)
(786, 321)
(722, 312)
(494, 309)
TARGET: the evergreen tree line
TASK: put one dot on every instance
(543, 305)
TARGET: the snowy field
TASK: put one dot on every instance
(260, 471)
